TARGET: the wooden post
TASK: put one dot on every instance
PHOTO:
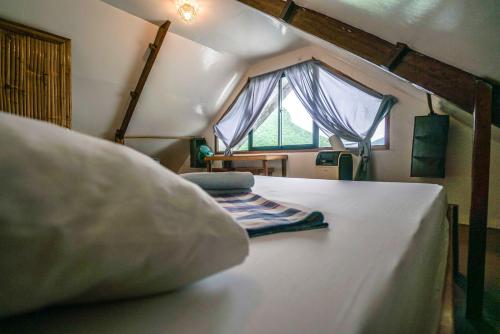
(453, 220)
(479, 199)
(136, 94)
(265, 167)
(447, 325)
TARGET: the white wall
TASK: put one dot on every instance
(187, 86)
(393, 164)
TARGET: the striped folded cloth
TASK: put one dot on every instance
(260, 216)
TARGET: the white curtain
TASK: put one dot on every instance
(241, 116)
(337, 105)
(340, 106)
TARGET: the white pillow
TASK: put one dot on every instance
(83, 219)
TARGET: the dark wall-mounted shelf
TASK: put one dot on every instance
(430, 138)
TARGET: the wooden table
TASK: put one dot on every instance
(265, 158)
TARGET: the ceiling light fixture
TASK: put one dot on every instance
(187, 9)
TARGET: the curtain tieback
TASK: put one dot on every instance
(364, 149)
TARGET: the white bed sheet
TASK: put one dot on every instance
(379, 268)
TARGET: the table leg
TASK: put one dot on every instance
(209, 166)
(283, 168)
(265, 167)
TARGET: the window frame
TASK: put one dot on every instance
(314, 147)
(280, 146)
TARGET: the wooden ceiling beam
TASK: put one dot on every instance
(446, 81)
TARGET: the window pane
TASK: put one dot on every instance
(220, 145)
(297, 125)
(323, 139)
(377, 139)
(265, 131)
(379, 135)
(243, 146)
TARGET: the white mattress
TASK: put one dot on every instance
(379, 268)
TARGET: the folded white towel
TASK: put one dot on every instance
(221, 181)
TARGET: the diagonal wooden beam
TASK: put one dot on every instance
(136, 93)
(430, 74)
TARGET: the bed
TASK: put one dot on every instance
(379, 268)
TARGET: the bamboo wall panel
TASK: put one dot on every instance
(35, 74)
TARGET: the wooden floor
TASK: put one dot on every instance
(491, 323)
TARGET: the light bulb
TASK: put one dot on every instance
(187, 9)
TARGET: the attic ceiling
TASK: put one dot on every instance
(222, 25)
(462, 33)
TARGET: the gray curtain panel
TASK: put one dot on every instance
(340, 106)
(240, 118)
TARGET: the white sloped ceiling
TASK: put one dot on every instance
(462, 33)
(186, 88)
(223, 25)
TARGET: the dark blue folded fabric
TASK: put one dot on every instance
(260, 216)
